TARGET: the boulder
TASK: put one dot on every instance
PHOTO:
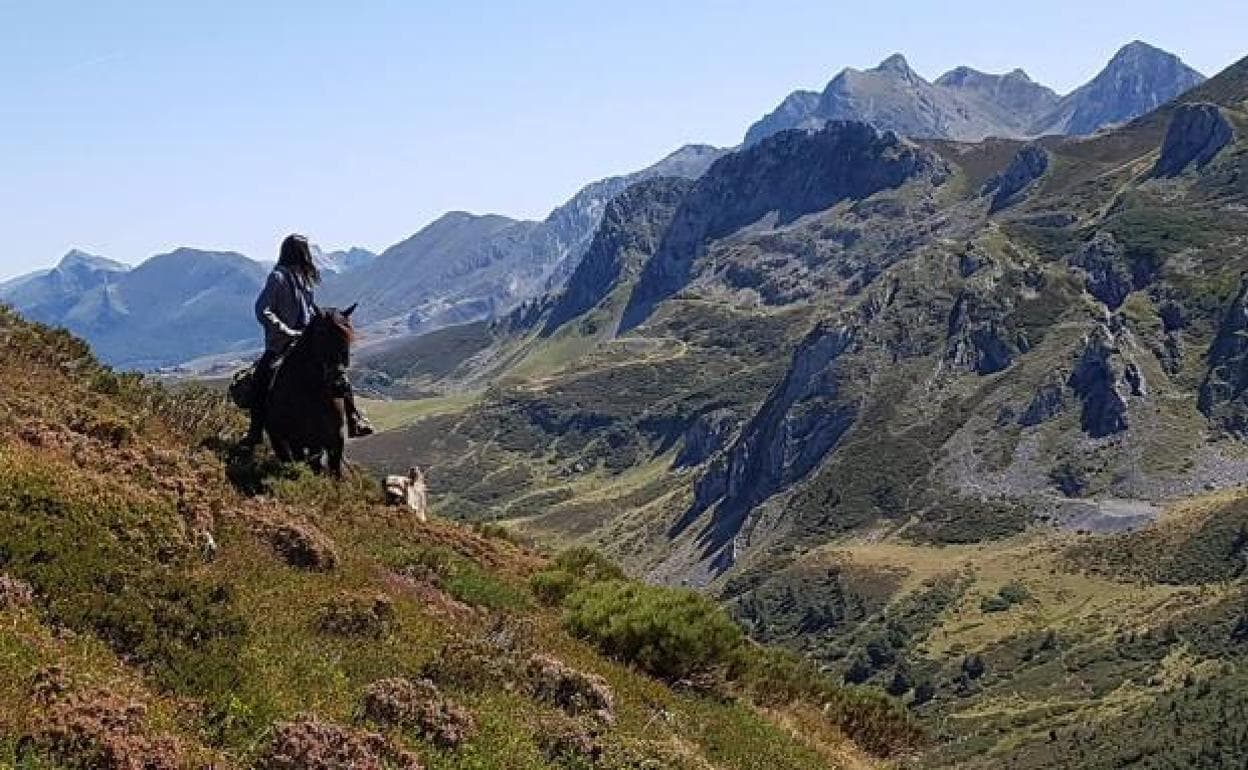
(1196, 134)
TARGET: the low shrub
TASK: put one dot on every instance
(575, 692)
(101, 731)
(308, 743)
(473, 664)
(571, 570)
(357, 615)
(588, 564)
(418, 705)
(552, 586)
(667, 632)
(462, 578)
(1006, 597)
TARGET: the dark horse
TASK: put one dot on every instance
(306, 416)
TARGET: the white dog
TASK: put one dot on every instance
(409, 490)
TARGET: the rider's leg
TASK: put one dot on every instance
(357, 422)
(263, 380)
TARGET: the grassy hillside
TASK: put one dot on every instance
(163, 605)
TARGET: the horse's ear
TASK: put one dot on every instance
(350, 310)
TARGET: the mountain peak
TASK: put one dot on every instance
(1140, 48)
(1138, 54)
(77, 259)
(895, 64)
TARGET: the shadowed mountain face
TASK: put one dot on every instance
(785, 176)
(169, 309)
(629, 234)
(968, 105)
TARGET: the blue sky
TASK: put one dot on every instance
(129, 128)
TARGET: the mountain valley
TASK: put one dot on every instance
(962, 421)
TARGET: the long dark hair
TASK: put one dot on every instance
(296, 256)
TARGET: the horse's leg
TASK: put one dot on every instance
(316, 461)
(281, 448)
(336, 430)
(336, 450)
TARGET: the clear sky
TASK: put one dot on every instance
(130, 128)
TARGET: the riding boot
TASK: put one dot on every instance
(358, 425)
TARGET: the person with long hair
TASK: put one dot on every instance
(284, 308)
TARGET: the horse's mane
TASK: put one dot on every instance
(341, 325)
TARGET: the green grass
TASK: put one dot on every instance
(397, 413)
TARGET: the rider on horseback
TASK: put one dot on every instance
(284, 308)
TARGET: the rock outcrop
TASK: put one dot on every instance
(802, 420)
(630, 233)
(1048, 402)
(708, 434)
(1103, 380)
(1028, 166)
(1222, 393)
(1103, 263)
(1197, 133)
(978, 338)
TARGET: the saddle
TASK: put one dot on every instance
(243, 388)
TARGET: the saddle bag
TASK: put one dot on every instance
(243, 388)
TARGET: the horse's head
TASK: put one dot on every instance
(331, 333)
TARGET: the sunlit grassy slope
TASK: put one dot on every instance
(164, 604)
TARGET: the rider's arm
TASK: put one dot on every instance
(276, 302)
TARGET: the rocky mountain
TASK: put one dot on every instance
(48, 295)
(968, 105)
(453, 270)
(169, 309)
(1139, 79)
(342, 261)
(465, 268)
(962, 421)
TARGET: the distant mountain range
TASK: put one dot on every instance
(466, 267)
(967, 105)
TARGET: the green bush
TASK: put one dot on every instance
(571, 570)
(667, 632)
(588, 564)
(462, 578)
(552, 586)
(1014, 592)
(1006, 597)
(993, 603)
